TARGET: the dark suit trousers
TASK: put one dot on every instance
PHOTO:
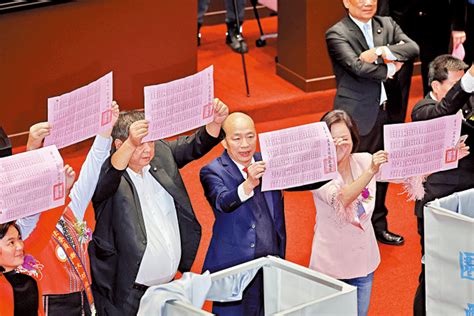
(132, 303)
(67, 304)
(419, 304)
(252, 303)
(398, 113)
(373, 142)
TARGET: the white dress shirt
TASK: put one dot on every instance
(240, 190)
(163, 250)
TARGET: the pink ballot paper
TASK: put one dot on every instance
(81, 113)
(420, 148)
(30, 183)
(179, 106)
(297, 156)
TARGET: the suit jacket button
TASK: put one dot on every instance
(252, 245)
(144, 242)
(253, 226)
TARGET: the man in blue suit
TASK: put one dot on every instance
(249, 223)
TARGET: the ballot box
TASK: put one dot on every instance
(289, 289)
(449, 255)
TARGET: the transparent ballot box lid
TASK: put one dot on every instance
(289, 289)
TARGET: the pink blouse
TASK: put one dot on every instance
(344, 244)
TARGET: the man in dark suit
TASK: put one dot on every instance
(366, 52)
(430, 24)
(452, 90)
(249, 223)
(146, 228)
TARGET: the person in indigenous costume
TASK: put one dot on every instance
(65, 273)
(20, 272)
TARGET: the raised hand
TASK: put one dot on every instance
(37, 134)
(463, 150)
(115, 114)
(343, 147)
(221, 111)
(459, 37)
(70, 176)
(378, 159)
(137, 131)
(254, 172)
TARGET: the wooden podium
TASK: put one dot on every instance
(302, 54)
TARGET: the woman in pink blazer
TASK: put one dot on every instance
(344, 244)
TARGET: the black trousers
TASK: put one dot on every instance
(66, 304)
(373, 142)
(252, 303)
(419, 303)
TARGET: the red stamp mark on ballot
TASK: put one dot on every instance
(58, 191)
(106, 117)
(451, 155)
(207, 111)
(329, 165)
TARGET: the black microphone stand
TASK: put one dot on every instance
(239, 36)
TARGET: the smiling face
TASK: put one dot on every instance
(11, 249)
(362, 10)
(241, 138)
(340, 131)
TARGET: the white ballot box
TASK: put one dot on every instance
(289, 289)
(449, 255)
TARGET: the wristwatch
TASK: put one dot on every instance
(379, 51)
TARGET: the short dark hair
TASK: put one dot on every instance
(4, 228)
(441, 65)
(125, 119)
(336, 116)
(3, 231)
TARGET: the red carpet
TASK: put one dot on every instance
(275, 104)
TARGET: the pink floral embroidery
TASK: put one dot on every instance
(84, 232)
(366, 197)
(31, 267)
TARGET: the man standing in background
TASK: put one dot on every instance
(233, 37)
(366, 52)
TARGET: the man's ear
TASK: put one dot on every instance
(117, 143)
(346, 4)
(435, 85)
(224, 143)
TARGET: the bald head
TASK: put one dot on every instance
(237, 120)
(240, 137)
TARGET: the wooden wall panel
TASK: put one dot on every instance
(48, 51)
